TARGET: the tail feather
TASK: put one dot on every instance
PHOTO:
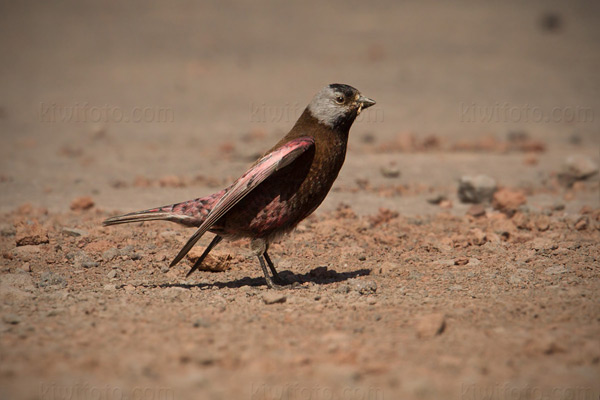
(140, 216)
(189, 213)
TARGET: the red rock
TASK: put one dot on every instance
(171, 181)
(382, 217)
(446, 204)
(532, 146)
(31, 235)
(508, 200)
(461, 261)
(82, 203)
(27, 253)
(214, 262)
(586, 210)
(530, 159)
(25, 209)
(29, 210)
(142, 182)
(476, 210)
(478, 237)
(582, 223)
(569, 195)
(227, 147)
(542, 223)
(522, 221)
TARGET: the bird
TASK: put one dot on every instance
(279, 190)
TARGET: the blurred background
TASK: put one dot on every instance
(100, 96)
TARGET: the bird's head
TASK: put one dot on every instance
(337, 105)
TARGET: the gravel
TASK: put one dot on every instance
(49, 278)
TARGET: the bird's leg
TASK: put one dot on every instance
(270, 283)
(216, 240)
(276, 277)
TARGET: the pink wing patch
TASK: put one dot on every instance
(264, 168)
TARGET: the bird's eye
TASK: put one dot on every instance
(339, 99)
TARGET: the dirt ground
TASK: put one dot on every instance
(398, 289)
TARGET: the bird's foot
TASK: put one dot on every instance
(281, 284)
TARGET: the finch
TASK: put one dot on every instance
(279, 190)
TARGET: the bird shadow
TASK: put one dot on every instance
(321, 277)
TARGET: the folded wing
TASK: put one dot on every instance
(258, 173)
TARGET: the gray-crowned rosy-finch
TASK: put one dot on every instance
(280, 189)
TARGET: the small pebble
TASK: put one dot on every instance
(363, 287)
(12, 319)
(110, 254)
(201, 323)
(461, 261)
(508, 200)
(437, 199)
(74, 232)
(342, 289)
(430, 325)
(476, 210)
(476, 189)
(582, 223)
(82, 203)
(89, 264)
(579, 167)
(446, 204)
(390, 171)
(274, 298)
(555, 270)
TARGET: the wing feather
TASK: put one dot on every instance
(260, 171)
